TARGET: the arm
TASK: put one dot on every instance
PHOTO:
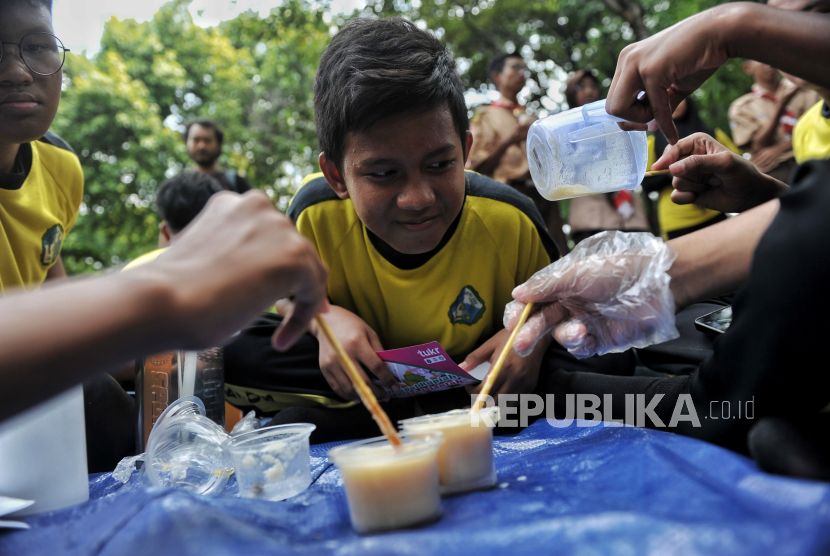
(489, 164)
(672, 64)
(234, 260)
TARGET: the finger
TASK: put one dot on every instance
(537, 326)
(309, 298)
(336, 378)
(719, 163)
(378, 391)
(687, 185)
(673, 153)
(570, 334)
(478, 356)
(683, 197)
(632, 126)
(626, 86)
(658, 98)
(378, 368)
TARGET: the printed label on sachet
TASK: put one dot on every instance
(424, 368)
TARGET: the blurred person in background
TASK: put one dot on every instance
(499, 148)
(762, 120)
(622, 210)
(204, 139)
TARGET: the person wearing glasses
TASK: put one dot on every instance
(500, 130)
(41, 182)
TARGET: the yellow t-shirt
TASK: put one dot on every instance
(811, 136)
(39, 203)
(457, 296)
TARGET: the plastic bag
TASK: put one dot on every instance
(246, 424)
(124, 469)
(616, 289)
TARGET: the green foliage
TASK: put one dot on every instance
(123, 110)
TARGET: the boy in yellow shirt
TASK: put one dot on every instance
(418, 249)
(41, 183)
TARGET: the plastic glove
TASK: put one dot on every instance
(609, 294)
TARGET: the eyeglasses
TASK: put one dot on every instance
(42, 53)
(521, 68)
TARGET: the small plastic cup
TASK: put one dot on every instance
(186, 450)
(391, 487)
(465, 459)
(272, 463)
(584, 152)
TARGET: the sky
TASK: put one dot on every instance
(80, 23)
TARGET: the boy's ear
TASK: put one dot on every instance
(468, 146)
(165, 235)
(333, 176)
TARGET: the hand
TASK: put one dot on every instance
(609, 294)
(668, 66)
(231, 263)
(711, 176)
(765, 158)
(519, 134)
(361, 344)
(519, 374)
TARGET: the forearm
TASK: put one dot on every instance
(788, 40)
(76, 337)
(717, 259)
(489, 164)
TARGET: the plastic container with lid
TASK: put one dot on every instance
(465, 459)
(391, 487)
(584, 152)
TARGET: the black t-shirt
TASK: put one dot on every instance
(232, 181)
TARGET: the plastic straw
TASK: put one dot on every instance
(494, 372)
(363, 390)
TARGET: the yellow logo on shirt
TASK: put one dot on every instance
(467, 308)
(52, 240)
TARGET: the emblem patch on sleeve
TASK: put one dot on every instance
(52, 240)
(467, 308)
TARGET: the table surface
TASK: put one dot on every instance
(572, 490)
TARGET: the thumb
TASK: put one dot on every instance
(702, 164)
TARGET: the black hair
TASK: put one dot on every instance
(206, 123)
(573, 85)
(497, 63)
(183, 196)
(375, 69)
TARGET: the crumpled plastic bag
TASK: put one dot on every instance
(616, 288)
(246, 424)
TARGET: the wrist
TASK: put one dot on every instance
(741, 28)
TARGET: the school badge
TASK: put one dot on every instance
(51, 245)
(467, 308)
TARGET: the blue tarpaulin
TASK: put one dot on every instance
(596, 490)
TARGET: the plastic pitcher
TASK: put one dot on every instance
(584, 152)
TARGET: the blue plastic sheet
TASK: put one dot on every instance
(597, 490)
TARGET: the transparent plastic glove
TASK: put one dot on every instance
(611, 293)
(246, 424)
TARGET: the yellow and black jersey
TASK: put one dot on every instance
(39, 203)
(454, 294)
(811, 136)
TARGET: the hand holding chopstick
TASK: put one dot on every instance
(366, 396)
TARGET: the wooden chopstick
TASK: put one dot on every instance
(366, 396)
(656, 173)
(494, 372)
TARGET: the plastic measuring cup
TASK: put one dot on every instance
(391, 487)
(187, 450)
(272, 463)
(465, 459)
(583, 152)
